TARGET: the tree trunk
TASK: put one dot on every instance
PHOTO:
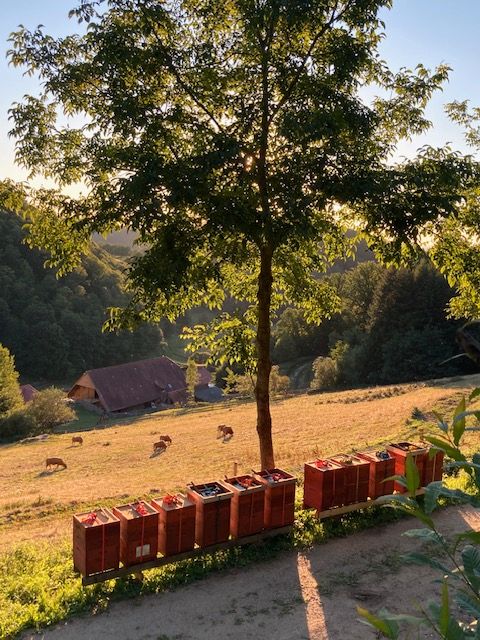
(264, 365)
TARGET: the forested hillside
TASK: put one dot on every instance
(53, 327)
(393, 327)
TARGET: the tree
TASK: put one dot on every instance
(10, 395)
(49, 408)
(231, 136)
(192, 377)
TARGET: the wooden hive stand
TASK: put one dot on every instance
(96, 541)
(212, 518)
(176, 525)
(324, 485)
(138, 532)
(279, 497)
(380, 470)
(357, 474)
(248, 505)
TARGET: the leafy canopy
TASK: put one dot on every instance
(219, 130)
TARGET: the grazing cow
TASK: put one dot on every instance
(159, 447)
(56, 462)
(225, 432)
(78, 439)
(166, 439)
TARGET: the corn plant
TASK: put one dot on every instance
(456, 616)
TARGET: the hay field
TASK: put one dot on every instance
(114, 463)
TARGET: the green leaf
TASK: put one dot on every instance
(427, 535)
(422, 559)
(468, 603)
(475, 393)
(459, 422)
(473, 536)
(389, 628)
(442, 424)
(471, 565)
(444, 614)
(445, 446)
(412, 475)
(432, 492)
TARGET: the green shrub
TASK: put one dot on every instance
(50, 408)
(17, 425)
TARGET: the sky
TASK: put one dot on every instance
(426, 31)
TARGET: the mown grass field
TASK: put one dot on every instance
(114, 463)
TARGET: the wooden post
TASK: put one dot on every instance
(235, 469)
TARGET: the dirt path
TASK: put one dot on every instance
(308, 596)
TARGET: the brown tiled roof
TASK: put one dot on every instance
(136, 383)
(28, 392)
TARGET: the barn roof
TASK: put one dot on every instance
(136, 383)
(28, 391)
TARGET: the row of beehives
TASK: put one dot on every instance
(239, 506)
(207, 514)
(352, 479)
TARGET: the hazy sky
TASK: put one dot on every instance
(427, 31)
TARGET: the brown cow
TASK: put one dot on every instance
(78, 439)
(159, 447)
(57, 462)
(225, 432)
(166, 439)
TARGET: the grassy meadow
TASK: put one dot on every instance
(114, 463)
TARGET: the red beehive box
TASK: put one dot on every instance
(96, 541)
(248, 505)
(279, 497)
(381, 468)
(212, 518)
(138, 532)
(357, 474)
(176, 524)
(324, 485)
(433, 467)
(400, 451)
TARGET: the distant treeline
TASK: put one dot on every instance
(393, 327)
(53, 327)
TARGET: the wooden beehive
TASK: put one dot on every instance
(380, 471)
(212, 517)
(96, 541)
(400, 451)
(138, 533)
(176, 524)
(432, 467)
(248, 505)
(279, 497)
(324, 485)
(357, 475)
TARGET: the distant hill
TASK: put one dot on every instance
(53, 326)
(123, 238)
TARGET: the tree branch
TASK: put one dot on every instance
(176, 73)
(328, 25)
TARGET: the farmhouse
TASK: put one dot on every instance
(134, 385)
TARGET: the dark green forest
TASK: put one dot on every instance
(52, 326)
(392, 326)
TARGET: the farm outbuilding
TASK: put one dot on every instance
(28, 391)
(134, 385)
